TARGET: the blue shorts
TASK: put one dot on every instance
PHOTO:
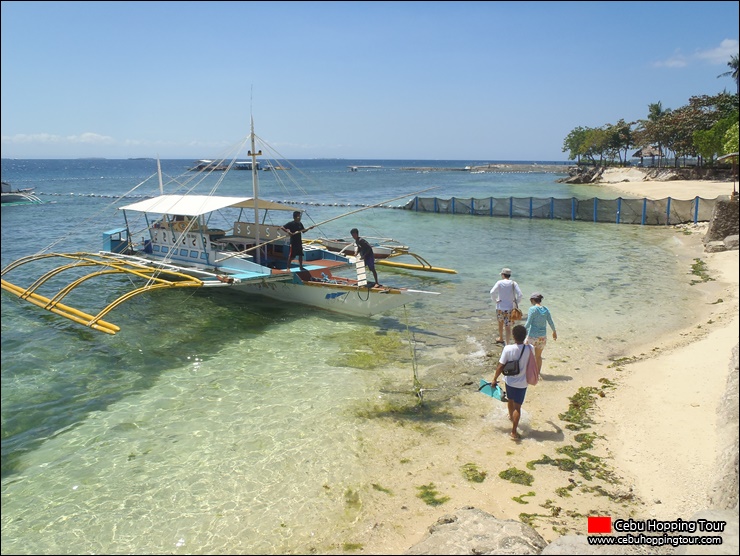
(516, 395)
(370, 262)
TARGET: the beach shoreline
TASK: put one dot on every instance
(632, 182)
(641, 427)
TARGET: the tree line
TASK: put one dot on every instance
(704, 129)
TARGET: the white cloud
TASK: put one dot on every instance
(91, 138)
(719, 55)
(714, 56)
(675, 61)
(46, 138)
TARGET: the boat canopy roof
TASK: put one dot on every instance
(196, 205)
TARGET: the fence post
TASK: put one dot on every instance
(596, 207)
(619, 208)
(416, 203)
(490, 207)
(696, 209)
(573, 208)
(453, 206)
(644, 210)
(436, 205)
(552, 208)
(472, 206)
(668, 212)
(511, 207)
(530, 208)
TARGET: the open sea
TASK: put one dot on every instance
(213, 423)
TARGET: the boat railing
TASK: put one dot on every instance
(266, 233)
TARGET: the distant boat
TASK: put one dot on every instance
(10, 195)
(355, 168)
(245, 165)
(205, 165)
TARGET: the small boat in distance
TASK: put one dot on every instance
(17, 196)
(205, 165)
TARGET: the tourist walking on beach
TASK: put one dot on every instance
(295, 230)
(366, 252)
(507, 295)
(516, 385)
(538, 318)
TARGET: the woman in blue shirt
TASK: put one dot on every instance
(538, 318)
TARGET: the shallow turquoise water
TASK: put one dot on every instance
(212, 423)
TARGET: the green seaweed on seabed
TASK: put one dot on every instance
(622, 361)
(520, 499)
(370, 349)
(517, 476)
(471, 472)
(699, 268)
(406, 412)
(352, 498)
(382, 489)
(428, 493)
(580, 404)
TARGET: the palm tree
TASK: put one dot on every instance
(733, 63)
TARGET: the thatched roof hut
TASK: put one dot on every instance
(650, 151)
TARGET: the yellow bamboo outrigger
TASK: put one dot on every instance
(423, 264)
(156, 277)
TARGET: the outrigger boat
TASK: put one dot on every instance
(383, 249)
(183, 248)
(25, 196)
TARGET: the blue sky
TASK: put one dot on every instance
(367, 80)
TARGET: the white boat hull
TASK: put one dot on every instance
(347, 300)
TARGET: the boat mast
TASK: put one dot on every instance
(255, 191)
(159, 174)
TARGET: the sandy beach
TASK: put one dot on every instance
(631, 182)
(653, 431)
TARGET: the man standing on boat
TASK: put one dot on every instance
(295, 230)
(366, 252)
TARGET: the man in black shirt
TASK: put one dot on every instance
(366, 252)
(294, 229)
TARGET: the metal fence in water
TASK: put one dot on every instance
(620, 211)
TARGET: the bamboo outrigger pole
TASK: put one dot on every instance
(325, 222)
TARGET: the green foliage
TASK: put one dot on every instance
(734, 72)
(698, 128)
(711, 143)
(730, 139)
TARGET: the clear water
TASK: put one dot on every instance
(217, 424)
